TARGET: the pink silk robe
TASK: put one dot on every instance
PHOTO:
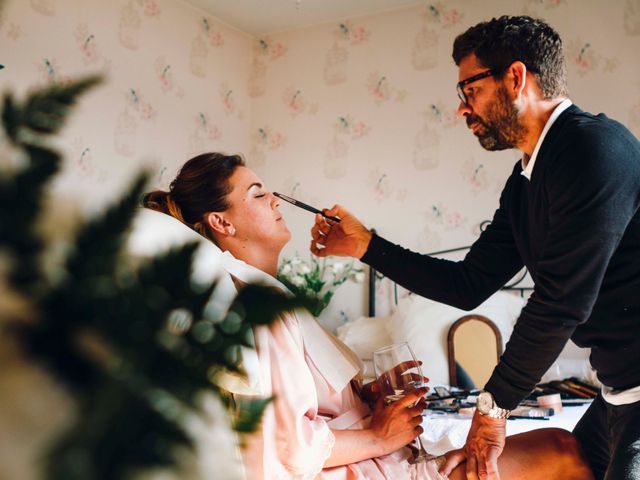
(296, 437)
(309, 371)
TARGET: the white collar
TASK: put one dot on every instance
(337, 364)
(248, 273)
(526, 171)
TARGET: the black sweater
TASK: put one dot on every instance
(576, 227)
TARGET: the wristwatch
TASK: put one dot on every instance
(486, 405)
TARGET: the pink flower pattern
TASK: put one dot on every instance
(84, 161)
(438, 114)
(266, 47)
(165, 76)
(266, 138)
(359, 130)
(586, 59)
(228, 103)
(359, 35)
(381, 185)
(295, 104)
(204, 131)
(145, 110)
(162, 178)
(346, 125)
(379, 88)
(447, 17)
(476, 176)
(450, 221)
(227, 98)
(151, 8)
(354, 34)
(451, 17)
(49, 70)
(277, 50)
(214, 133)
(216, 39)
(87, 44)
(277, 140)
(294, 101)
(166, 81)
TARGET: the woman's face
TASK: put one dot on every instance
(254, 210)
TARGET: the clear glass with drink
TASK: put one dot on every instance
(398, 372)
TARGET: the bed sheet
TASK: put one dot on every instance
(444, 432)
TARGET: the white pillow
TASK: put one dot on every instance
(154, 232)
(365, 334)
(572, 362)
(425, 324)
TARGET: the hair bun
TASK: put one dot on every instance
(162, 201)
(156, 200)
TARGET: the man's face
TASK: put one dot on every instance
(490, 112)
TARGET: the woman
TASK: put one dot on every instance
(318, 426)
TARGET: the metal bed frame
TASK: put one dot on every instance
(375, 276)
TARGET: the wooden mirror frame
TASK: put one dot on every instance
(453, 378)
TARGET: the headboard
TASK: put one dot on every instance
(375, 276)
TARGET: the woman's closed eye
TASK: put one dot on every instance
(260, 195)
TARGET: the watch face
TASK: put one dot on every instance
(484, 402)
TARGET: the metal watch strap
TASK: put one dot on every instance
(495, 411)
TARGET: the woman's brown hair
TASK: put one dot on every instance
(201, 186)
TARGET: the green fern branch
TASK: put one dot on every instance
(44, 112)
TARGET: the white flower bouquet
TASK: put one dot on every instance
(317, 280)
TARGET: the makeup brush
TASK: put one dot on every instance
(300, 204)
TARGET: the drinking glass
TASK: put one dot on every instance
(398, 372)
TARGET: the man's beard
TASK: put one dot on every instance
(502, 128)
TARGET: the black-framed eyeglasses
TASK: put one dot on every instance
(463, 83)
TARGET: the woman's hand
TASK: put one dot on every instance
(451, 460)
(397, 424)
(370, 392)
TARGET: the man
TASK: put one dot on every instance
(569, 212)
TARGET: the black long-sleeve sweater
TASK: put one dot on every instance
(576, 227)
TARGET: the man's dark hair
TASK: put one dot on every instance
(500, 42)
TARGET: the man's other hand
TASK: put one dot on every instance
(485, 443)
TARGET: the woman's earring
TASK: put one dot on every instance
(232, 230)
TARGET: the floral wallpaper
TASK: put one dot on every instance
(358, 111)
(366, 109)
(176, 85)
